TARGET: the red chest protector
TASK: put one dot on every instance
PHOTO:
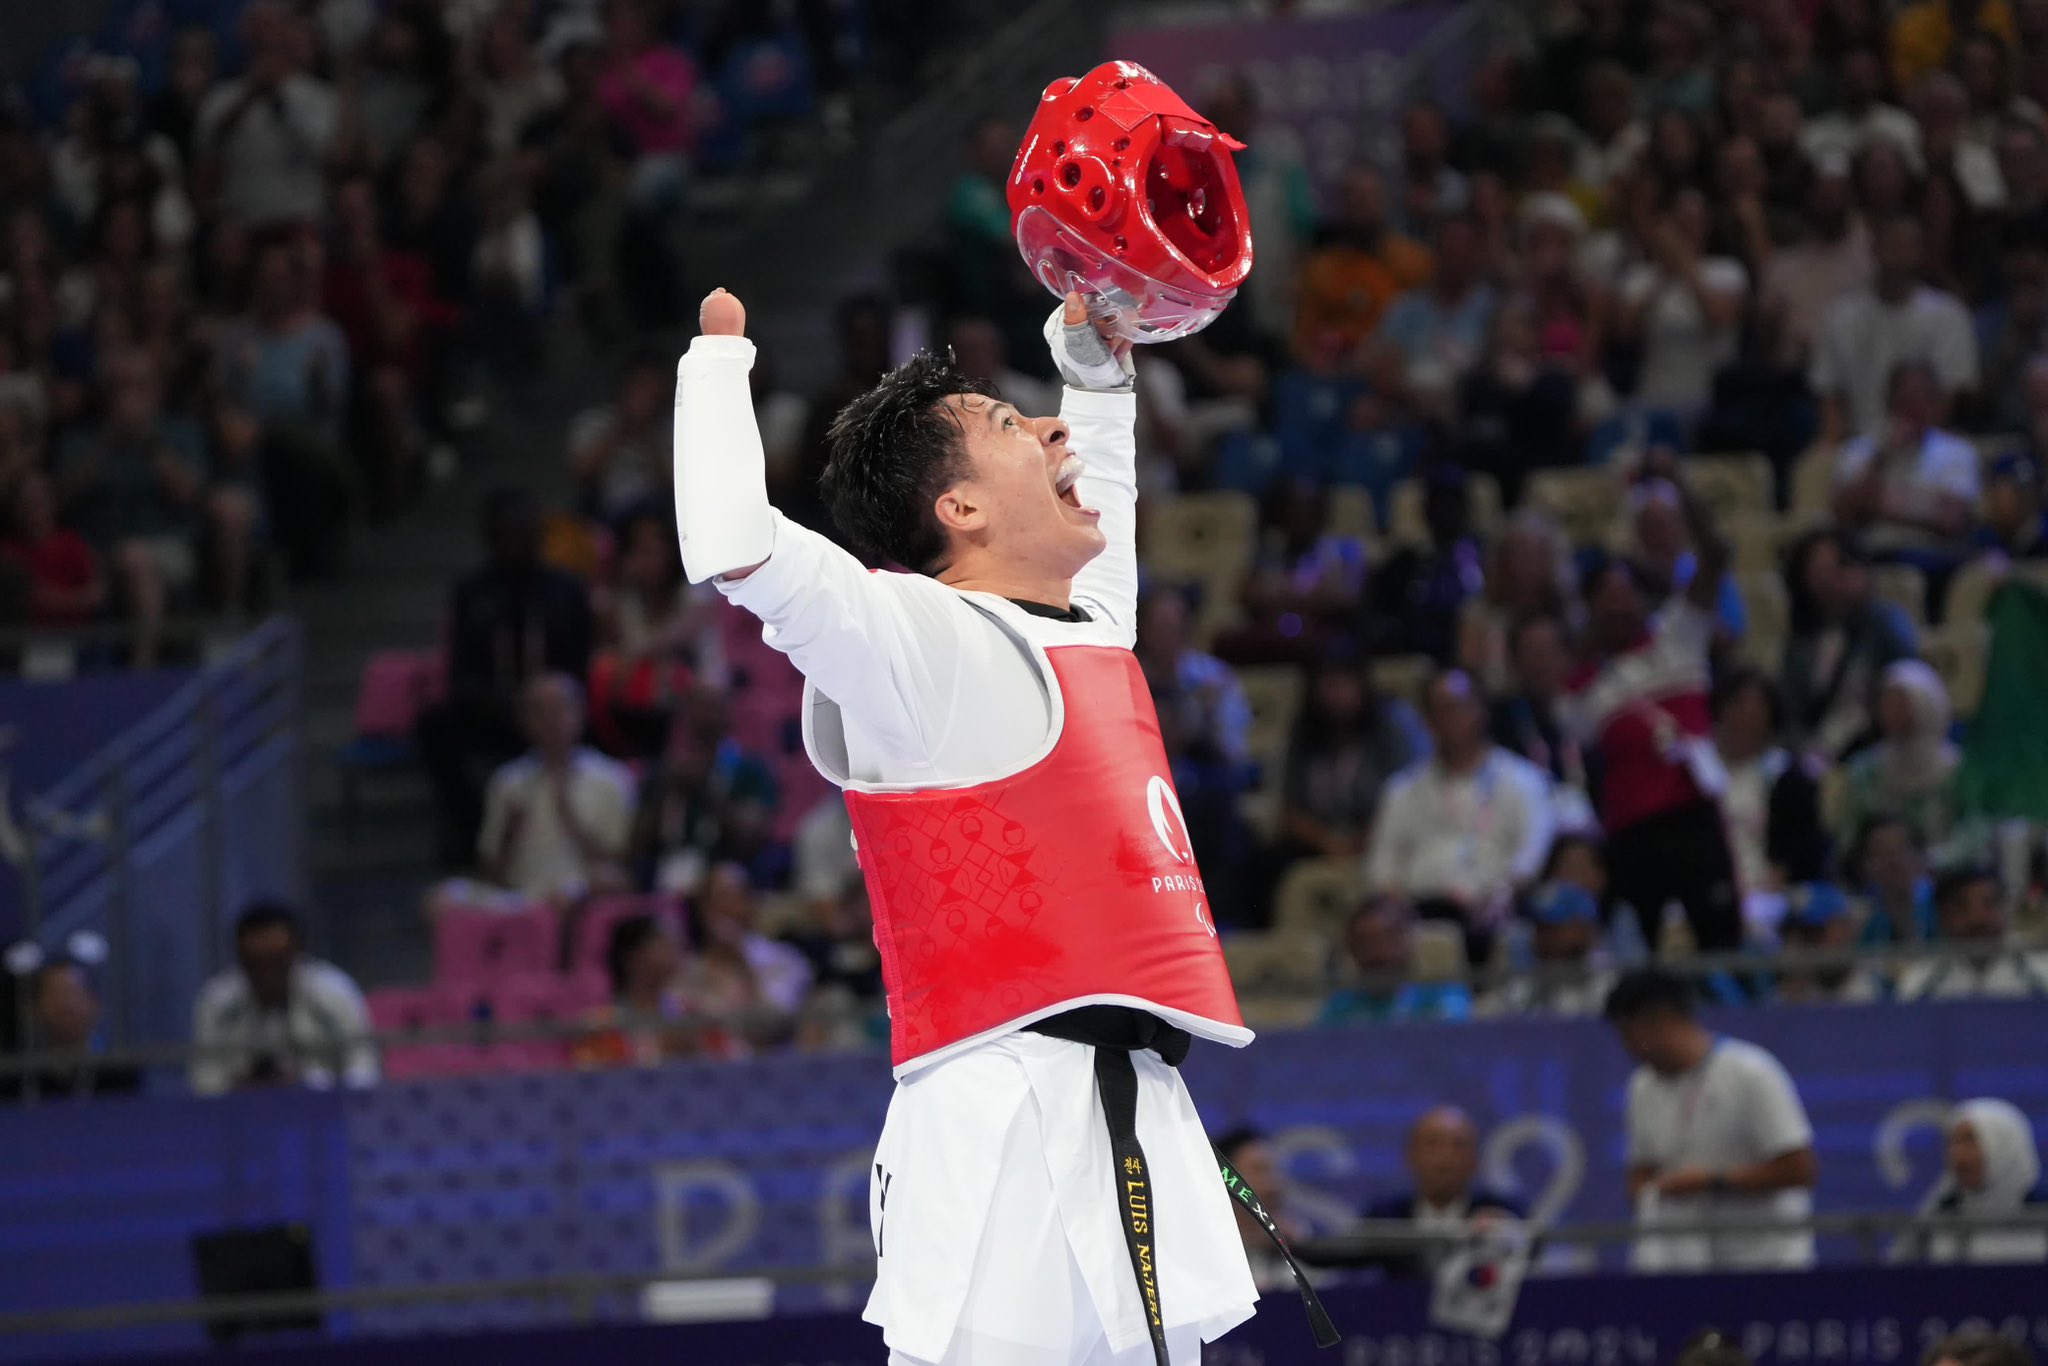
(1070, 883)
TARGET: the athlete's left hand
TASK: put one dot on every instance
(1087, 354)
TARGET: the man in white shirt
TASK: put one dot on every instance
(556, 819)
(1462, 831)
(1866, 335)
(1715, 1129)
(1970, 910)
(270, 131)
(279, 1018)
(1914, 486)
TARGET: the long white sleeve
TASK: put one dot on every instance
(1102, 431)
(889, 649)
(722, 512)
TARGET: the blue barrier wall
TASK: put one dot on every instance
(1864, 1317)
(703, 1166)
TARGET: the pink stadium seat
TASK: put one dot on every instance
(594, 928)
(403, 1009)
(396, 686)
(532, 999)
(586, 991)
(481, 945)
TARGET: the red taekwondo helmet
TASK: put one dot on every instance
(1123, 192)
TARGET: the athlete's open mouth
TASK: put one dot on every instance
(1066, 479)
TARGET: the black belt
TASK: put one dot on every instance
(1116, 1032)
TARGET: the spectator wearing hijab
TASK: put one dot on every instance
(1992, 1171)
(1910, 771)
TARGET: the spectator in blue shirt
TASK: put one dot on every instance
(285, 361)
(1890, 861)
(135, 484)
(1380, 939)
(1439, 330)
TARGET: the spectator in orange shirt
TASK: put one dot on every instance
(1924, 33)
(1356, 268)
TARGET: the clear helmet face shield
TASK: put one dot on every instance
(1122, 192)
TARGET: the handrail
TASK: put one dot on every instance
(167, 777)
(583, 1290)
(484, 1033)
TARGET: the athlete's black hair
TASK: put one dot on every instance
(894, 450)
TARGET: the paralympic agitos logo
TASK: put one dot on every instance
(1162, 803)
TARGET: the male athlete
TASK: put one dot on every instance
(1043, 1192)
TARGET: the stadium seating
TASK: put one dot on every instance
(472, 945)
(596, 918)
(1582, 501)
(1316, 896)
(1205, 539)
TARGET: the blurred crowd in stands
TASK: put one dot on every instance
(260, 259)
(1574, 545)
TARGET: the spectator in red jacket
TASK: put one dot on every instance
(66, 585)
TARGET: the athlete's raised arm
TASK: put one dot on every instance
(1100, 408)
(876, 644)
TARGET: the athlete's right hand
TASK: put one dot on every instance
(727, 527)
(722, 315)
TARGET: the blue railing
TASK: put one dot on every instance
(157, 841)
